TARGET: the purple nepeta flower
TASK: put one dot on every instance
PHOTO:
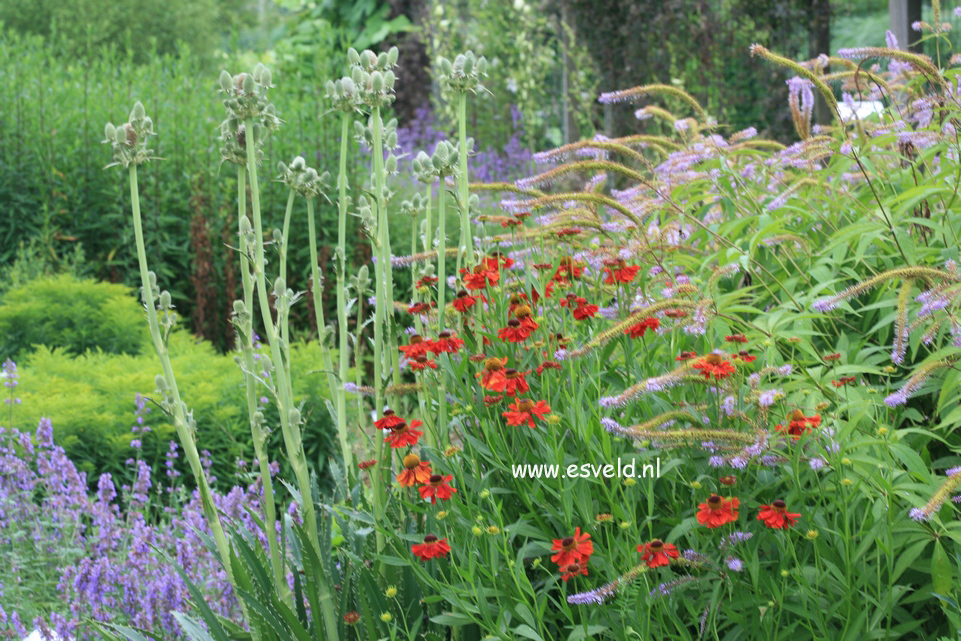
(918, 514)
(816, 463)
(735, 564)
(951, 471)
(716, 461)
(585, 598)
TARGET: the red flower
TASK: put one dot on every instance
(657, 553)
(463, 301)
(717, 511)
(830, 358)
(844, 381)
(568, 231)
(686, 356)
(492, 400)
(776, 515)
(736, 338)
(675, 313)
(573, 570)
(418, 346)
(415, 471)
(494, 378)
(431, 548)
(572, 549)
(744, 356)
(523, 410)
(480, 277)
(585, 310)
(799, 423)
(547, 365)
(389, 421)
(714, 365)
(437, 487)
(497, 260)
(567, 270)
(728, 480)
(618, 272)
(366, 465)
(637, 331)
(418, 308)
(404, 435)
(446, 342)
(351, 618)
(516, 382)
(427, 280)
(515, 332)
(421, 363)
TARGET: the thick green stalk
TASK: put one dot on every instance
(256, 432)
(319, 312)
(382, 314)
(441, 428)
(292, 436)
(341, 397)
(467, 238)
(180, 420)
(284, 326)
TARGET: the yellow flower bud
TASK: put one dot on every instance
(493, 529)
(696, 485)
(812, 534)
(846, 461)
(476, 531)
(629, 482)
(882, 431)
(624, 525)
(391, 592)
(442, 514)
(785, 573)
(385, 617)
(846, 481)
(485, 493)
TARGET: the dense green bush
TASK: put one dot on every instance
(75, 315)
(92, 400)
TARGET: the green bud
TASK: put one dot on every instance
(278, 237)
(358, 76)
(391, 164)
(298, 164)
(137, 113)
(352, 56)
(164, 299)
(389, 79)
(245, 227)
(377, 81)
(382, 61)
(257, 418)
(482, 66)
(120, 135)
(240, 308)
(109, 133)
(226, 81)
(391, 140)
(281, 167)
(161, 383)
(331, 88)
(446, 67)
(468, 64)
(368, 59)
(392, 56)
(249, 85)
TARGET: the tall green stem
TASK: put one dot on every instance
(179, 415)
(442, 298)
(256, 432)
(382, 314)
(467, 238)
(341, 393)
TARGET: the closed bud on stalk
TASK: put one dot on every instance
(482, 65)
(298, 163)
(391, 164)
(277, 237)
(164, 301)
(389, 79)
(161, 383)
(137, 113)
(392, 140)
(333, 91)
(358, 76)
(377, 81)
(392, 55)
(459, 62)
(281, 167)
(226, 81)
(294, 416)
(109, 133)
(382, 60)
(468, 64)
(368, 58)
(152, 279)
(240, 308)
(352, 56)
(245, 227)
(446, 67)
(279, 284)
(120, 135)
(249, 84)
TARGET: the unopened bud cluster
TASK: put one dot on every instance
(364, 134)
(246, 101)
(303, 179)
(443, 162)
(415, 206)
(129, 140)
(371, 79)
(464, 74)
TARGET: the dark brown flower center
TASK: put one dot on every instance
(430, 538)
(714, 502)
(416, 339)
(779, 505)
(510, 372)
(436, 479)
(493, 365)
(656, 545)
(444, 335)
(713, 359)
(513, 323)
(522, 312)
(568, 543)
(525, 405)
(797, 415)
(462, 293)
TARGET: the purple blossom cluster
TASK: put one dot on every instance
(112, 556)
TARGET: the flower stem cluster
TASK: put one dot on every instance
(246, 102)
(464, 73)
(129, 140)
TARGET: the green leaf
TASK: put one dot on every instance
(941, 570)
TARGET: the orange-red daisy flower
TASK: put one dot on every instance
(515, 332)
(421, 363)
(516, 382)
(567, 270)
(736, 338)
(480, 277)
(463, 301)
(523, 410)
(493, 377)
(657, 553)
(714, 365)
(744, 356)
(584, 310)
(547, 365)
(574, 569)
(686, 356)
(427, 280)
(717, 511)
(776, 515)
(431, 548)
(417, 345)
(799, 424)
(728, 480)
(419, 308)
(572, 549)
(446, 342)
(437, 487)
(389, 420)
(844, 381)
(675, 313)
(637, 331)
(415, 471)
(366, 465)
(404, 435)
(618, 272)
(496, 260)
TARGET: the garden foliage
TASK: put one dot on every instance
(767, 332)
